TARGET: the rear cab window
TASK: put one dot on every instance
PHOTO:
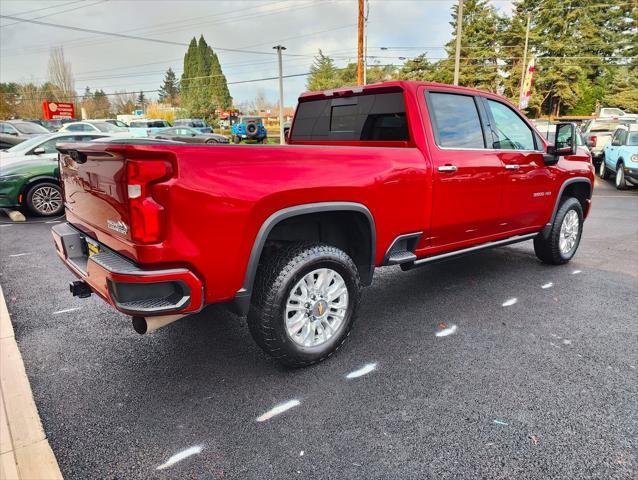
(370, 117)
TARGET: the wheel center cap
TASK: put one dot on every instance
(320, 308)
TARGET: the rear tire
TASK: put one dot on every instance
(561, 244)
(45, 199)
(293, 316)
(603, 171)
(211, 141)
(236, 139)
(621, 181)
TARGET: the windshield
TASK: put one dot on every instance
(27, 144)
(29, 128)
(107, 127)
(633, 139)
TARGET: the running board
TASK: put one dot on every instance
(465, 251)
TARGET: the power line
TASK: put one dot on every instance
(46, 8)
(58, 12)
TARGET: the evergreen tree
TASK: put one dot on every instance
(324, 75)
(169, 91)
(203, 86)
(141, 100)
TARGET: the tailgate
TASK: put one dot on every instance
(96, 180)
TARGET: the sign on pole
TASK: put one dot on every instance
(528, 83)
(55, 110)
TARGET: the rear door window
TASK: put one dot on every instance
(371, 117)
(456, 120)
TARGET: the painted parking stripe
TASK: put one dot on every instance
(370, 367)
(278, 409)
(178, 457)
(66, 310)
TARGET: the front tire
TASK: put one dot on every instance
(621, 181)
(45, 199)
(304, 303)
(603, 171)
(560, 245)
(211, 141)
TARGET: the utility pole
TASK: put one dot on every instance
(282, 139)
(361, 27)
(529, 17)
(365, 44)
(459, 31)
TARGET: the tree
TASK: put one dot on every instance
(324, 75)
(61, 76)
(140, 101)
(123, 103)
(418, 68)
(169, 91)
(8, 100)
(203, 86)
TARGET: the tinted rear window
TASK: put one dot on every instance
(373, 117)
(456, 120)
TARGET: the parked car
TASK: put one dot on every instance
(22, 128)
(548, 130)
(52, 125)
(249, 128)
(114, 121)
(286, 128)
(196, 123)
(620, 157)
(597, 133)
(395, 173)
(189, 135)
(94, 126)
(29, 173)
(616, 113)
(8, 141)
(144, 128)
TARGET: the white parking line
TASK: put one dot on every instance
(547, 285)
(362, 371)
(444, 332)
(18, 255)
(510, 302)
(178, 457)
(576, 272)
(67, 310)
(278, 409)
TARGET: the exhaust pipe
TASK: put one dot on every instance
(144, 325)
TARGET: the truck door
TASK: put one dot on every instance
(527, 182)
(467, 177)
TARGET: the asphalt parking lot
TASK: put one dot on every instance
(543, 387)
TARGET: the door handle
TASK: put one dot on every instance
(512, 167)
(447, 168)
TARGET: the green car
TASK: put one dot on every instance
(29, 173)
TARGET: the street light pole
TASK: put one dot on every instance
(459, 31)
(360, 27)
(282, 139)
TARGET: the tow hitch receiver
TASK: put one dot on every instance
(80, 289)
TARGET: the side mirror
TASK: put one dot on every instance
(564, 143)
(193, 135)
(15, 134)
(38, 151)
(615, 143)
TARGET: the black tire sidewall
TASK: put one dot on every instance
(620, 171)
(568, 205)
(29, 199)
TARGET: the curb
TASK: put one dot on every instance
(25, 452)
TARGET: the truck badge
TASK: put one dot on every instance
(118, 226)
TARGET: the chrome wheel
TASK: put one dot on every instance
(316, 307)
(568, 232)
(46, 200)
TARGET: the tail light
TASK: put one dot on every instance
(145, 213)
(593, 139)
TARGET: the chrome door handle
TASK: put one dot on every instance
(512, 167)
(447, 168)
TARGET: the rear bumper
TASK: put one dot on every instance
(129, 288)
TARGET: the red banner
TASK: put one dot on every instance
(53, 110)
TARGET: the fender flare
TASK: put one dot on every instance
(241, 303)
(565, 184)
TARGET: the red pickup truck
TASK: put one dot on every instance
(397, 173)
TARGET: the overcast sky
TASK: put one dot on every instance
(405, 27)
